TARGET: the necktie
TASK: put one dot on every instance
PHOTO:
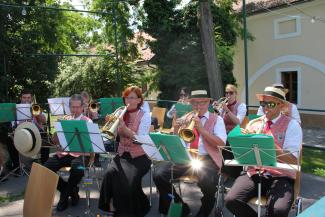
(268, 125)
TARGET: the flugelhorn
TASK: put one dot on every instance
(36, 108)
(111, 125)
(187, 132)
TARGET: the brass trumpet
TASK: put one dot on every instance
(218, 105)
(111, 125)
(187, 132)
(36, 108)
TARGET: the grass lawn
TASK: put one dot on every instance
(313, 161)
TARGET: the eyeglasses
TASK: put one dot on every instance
(268, 104)
(229, 93)
(131, 98)
(199, 103)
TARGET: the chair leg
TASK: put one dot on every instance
(150, 173)
(298, 205)
(219, 204)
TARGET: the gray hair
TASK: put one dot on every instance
(76, 97)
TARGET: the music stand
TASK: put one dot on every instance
(109, 105)
(172, 149)
(256, 150)
(82, 137)
(12, 112)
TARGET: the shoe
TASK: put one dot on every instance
(186, 211)
(62, 205)
(75, 196)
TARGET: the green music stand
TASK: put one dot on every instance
(252, 150)
(182, 109)
(83, 137)
(7, 112)
(109, 105)
(172, 149)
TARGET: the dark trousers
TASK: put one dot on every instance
(232, 171)
(279, 192)
(122, 185)
(5, 128)
(207, 181)
(76, 173)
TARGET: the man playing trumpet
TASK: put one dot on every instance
(210, 134)
(277, 184)
(65, 159)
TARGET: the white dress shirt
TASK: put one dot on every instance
(145, 124)
(219, 130)
(293, 137)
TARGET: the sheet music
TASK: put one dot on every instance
(23, 112)
(96, 138)
(149, 147)
(59, 106)
(94, 133)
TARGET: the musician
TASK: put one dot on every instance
(210, 134)
(39, 120)
(73, 160)
(121, 193)
(290, 110)
(233, 113)
(277, 184)
(183, 98)
(86, 111)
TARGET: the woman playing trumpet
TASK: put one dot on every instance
(233, 113)
(121, 193)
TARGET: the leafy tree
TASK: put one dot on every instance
(25, 37)
(178, 50)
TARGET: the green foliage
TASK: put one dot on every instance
(313, 161)
(178, 51)
(95, 75)
(24, 38)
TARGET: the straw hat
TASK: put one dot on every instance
(199, 94)
(274, 93)
(27, 139)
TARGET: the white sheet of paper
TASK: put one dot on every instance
(61, 137)
(59, 106)
(96, 138)
(149, 147)
(23, 112)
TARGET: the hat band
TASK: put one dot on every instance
(271, 93)
(33, 137)
(200, 96)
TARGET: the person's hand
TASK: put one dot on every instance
(121, 123)
(245, 131)
(225, 108)
(197, 123)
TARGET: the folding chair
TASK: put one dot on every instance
(159, 113)
(40, 192)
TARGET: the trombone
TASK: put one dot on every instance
(36, 108)
(111, 125)
(93, 107)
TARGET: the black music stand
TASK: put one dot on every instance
(74, 136)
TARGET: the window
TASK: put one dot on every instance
(290, 81)
(287, 27)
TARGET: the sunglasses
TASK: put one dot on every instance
(182, 94)
(229, 93)
(268, 104)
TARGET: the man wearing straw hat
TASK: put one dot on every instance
(73, 160)
(276, 183)
(210, 134)
(290, 110)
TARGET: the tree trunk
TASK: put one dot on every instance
(209, 50)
